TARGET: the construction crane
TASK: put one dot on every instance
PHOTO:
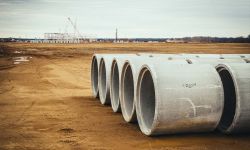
(76, 31)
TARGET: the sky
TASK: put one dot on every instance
(133, 18)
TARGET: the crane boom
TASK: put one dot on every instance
(75, 28)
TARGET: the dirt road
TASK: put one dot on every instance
(46, 103)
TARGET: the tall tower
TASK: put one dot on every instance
(116, 35)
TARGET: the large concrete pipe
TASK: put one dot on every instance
(211, 56)
(231, 56)
(247, 60)
(104, 78)
(244, 55)
(105, 62)
(183, 55)
(194, 56)
(115, 80)
(214, 62)
(178, 98)
(236, 113)
(94, 74)
(128, 84)
(168, 57)
(161, 55)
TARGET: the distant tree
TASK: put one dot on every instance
(248, 36)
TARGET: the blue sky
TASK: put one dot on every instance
(140, 18)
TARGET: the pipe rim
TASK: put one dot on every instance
(94, 76)
(247, 60)
(102, 84)
(189, 61)
(147, 131)
(115, 94)
(127, 115)
(226, 67)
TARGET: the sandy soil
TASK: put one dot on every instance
(46, 103)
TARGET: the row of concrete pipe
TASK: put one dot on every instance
(176, 93)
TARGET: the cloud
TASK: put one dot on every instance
(9, 2)
(158, 18)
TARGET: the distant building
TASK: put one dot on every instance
(175, 41)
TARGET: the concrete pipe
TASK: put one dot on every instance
(231, 56)
(247, 60)
(161, 55)
(244, 55)
(185, 56)
(210, 56)
(182, 56)
(236, 113)
(115, 80)
(94, 74)
(178, 99)
(214, 62)
(128, 84)
(164, 57)
(104, 78)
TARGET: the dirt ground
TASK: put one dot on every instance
(47, 103)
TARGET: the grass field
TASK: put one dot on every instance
(47, 103)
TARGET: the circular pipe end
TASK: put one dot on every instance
(94, 77)
(226, 122)
(247, 60)
(127, 93)
(102, 81)
(114, 88)
(146, 101)
(189, 61)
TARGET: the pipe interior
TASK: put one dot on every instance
(189, 61)
(103, 88)
(128, 90)
(115, 84)
(147, 99)
(247, 60)
(229, 99)
(94, 75)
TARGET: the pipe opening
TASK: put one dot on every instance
(146, 99)
(229, 99)
(102, 80)
(115, 85)
(247, 60)
(128, 90)
(189, 61)
(94, 75)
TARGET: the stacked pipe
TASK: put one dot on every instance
(176, 93)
